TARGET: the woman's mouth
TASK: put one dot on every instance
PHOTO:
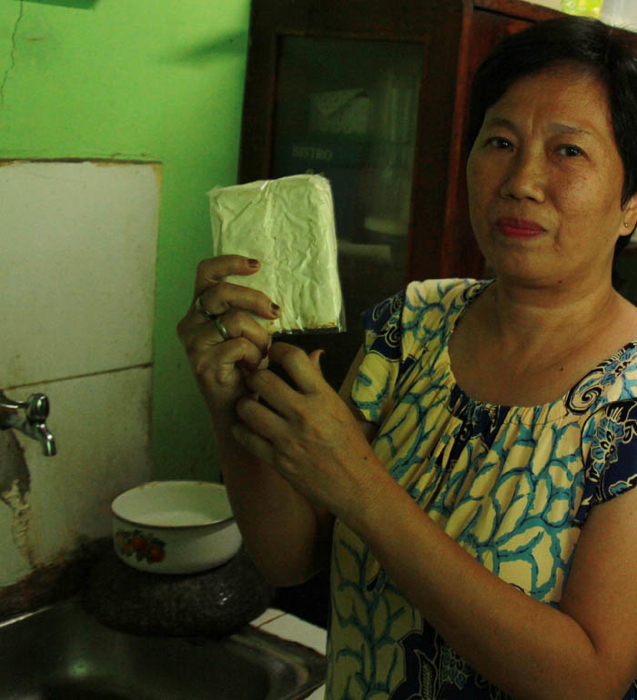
(519, 228)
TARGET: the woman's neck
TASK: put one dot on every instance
(532, 318)
(526, 347)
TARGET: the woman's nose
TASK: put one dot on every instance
(525, 178)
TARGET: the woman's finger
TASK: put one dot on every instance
(198, 333)
(223, 296)
(216, 360)
(304, 370)
(212, 270)
(260, 419)
(274, 391)
(315, 357)
(238, 325)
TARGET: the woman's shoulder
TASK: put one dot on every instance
(434, 306)
(416, 294)
(613, 380)
(406, 323)
(397, 331)
(420, 302)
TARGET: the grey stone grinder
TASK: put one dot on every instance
(216, 602)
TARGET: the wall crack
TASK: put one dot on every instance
(20, 527)
(15, 482)
(14, 36)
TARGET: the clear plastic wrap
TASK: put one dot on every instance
(288, 225)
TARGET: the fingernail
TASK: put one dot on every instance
(253, 262)
(275, 308)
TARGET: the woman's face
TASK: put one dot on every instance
(545, 181)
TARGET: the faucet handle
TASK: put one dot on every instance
(37, 408)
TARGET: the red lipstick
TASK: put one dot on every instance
(519, 228)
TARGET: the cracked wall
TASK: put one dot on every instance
(14, 489)
(11, 53)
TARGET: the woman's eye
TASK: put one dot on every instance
(570, 151)
(499, 142)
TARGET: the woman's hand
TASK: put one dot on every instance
(221, 365)
(308, 434)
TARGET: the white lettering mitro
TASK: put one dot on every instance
(288, 225)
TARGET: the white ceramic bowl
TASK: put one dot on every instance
(175, 527)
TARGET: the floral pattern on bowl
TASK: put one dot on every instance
(174, 527)
(145, 547)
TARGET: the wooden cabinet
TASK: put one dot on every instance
(374, 93)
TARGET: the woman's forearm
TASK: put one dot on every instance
(527, 648)
(288, 539)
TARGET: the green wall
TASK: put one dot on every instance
(150, 80)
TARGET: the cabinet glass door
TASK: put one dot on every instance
(347, 109)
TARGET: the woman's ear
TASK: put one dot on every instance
(630, 216)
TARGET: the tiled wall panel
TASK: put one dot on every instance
(77, 268)
(77, 273)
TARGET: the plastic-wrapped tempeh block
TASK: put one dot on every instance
(288, 225)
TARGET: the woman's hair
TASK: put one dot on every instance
(588, 43)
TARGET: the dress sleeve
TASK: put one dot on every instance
(373, 388)
(609, 445)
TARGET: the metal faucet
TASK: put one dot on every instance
(32, 422)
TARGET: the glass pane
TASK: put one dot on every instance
(347, 109)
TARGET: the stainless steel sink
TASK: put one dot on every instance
(62, 653)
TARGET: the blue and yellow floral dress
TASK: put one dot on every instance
(512, 485)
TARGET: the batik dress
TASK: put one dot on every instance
(511, 485)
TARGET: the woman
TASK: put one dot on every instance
(474, 482)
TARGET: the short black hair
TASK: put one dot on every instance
(600, 50)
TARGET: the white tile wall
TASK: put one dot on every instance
(77, 268)
(77, 272)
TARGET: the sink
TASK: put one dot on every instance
(62, 653)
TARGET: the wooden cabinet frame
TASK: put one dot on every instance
(455, 36)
